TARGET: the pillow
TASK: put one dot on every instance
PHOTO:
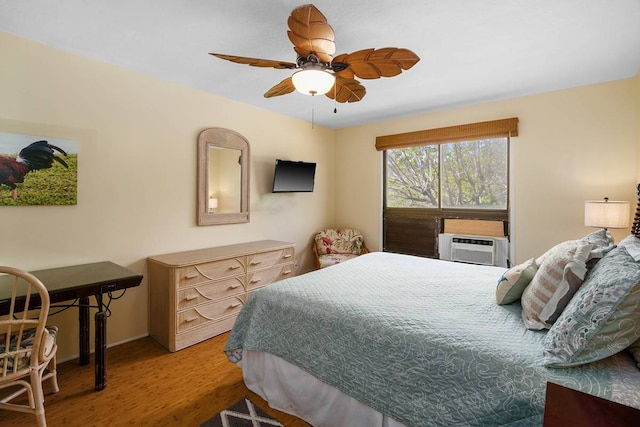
(602, 318)
(602, 241)
(513, 282)
(632, 244)
(339, 241)
(28, 335)
(634, 349)
(558, 278)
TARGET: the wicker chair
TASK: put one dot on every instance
(333, 246)
(27, 347)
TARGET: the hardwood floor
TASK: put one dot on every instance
(147, 385)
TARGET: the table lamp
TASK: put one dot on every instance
(213, 204)
(606, 213)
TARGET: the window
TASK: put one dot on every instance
(454, 172)
(459, 175)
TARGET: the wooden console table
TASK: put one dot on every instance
(79, 282)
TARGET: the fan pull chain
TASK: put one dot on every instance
(335, 99)
(312, 110)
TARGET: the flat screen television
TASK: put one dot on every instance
(293, 177)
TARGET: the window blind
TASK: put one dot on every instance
(468, 132)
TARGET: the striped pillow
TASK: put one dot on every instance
(602, 244)
(556, 281)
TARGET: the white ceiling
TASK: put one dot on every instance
(471, 51)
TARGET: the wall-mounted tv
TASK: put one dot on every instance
(293, 177)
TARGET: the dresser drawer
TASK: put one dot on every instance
(192, 275)
(209, 312)
(262, 278)
(268, 259)
(208, 330)
(210, 291)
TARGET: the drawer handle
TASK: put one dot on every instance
(256, 262)
(190, 319)
(190, 297)
(237, 285)
(255, 280)
(202, 315)
(287, 256)
(286, 272)
(192, 275)
(235, 304)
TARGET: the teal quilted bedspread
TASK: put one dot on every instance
(419, 340)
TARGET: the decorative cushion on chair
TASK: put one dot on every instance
(332, 259)
(28, 335)
(339, 241)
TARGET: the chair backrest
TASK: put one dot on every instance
(22, 329)
(339, 241)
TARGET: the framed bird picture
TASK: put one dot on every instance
(37, 170)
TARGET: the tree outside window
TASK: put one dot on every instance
(459, 175)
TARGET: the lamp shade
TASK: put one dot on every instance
(606, 214)
(313, 81)
(213, 203)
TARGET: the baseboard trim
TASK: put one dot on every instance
(77, 355)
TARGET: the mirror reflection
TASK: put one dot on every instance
(225, 180)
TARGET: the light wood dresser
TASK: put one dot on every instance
(196, 295)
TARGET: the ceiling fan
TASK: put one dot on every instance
(318, 72)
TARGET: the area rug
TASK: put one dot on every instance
(242, 414)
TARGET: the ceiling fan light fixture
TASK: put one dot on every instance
(316, 69)
(313, 81)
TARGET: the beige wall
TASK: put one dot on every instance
(137, 172)
(574, 145)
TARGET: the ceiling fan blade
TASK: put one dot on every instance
(284, 87)
(257, 62)
(344, 72)
(376, 63)
(347, 90)
(310, 33)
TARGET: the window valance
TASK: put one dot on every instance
(471, 131)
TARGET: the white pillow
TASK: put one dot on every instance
(632, 245)
(514, 281)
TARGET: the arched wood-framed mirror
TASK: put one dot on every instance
(223, 177)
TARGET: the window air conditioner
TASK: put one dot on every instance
(474, 249)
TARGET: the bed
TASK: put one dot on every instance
(392, 340)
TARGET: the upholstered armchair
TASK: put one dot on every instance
(333, 246)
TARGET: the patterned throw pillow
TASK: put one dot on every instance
(28, 335)
(557, 280)
(602, 318)
(339, 241)
(513, 282)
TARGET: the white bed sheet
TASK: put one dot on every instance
(289, 389)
